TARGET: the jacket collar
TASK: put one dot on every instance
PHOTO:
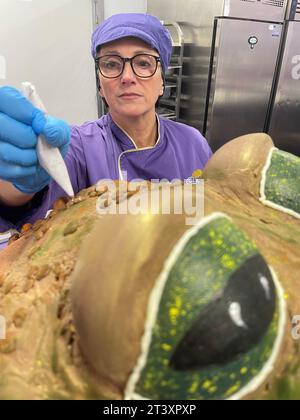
(127, 143)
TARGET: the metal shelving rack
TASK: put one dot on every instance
(169, 104)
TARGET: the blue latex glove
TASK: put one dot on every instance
(20, 124)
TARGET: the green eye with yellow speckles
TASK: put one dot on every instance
(280, 185)
(214, 322)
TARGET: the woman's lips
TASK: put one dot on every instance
(130, 96)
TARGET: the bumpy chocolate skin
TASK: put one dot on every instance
(41, 357)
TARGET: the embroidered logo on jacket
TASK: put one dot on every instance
(196, 177)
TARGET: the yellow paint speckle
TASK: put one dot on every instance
(207, 385)
(166, 347)
(193, 388)
(227, 261)
(173, 313)
(233, 389)
(244, 370)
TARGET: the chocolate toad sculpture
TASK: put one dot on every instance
(160, 309)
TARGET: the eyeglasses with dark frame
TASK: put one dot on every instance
(112, 66)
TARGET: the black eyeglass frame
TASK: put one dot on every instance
(127, 60)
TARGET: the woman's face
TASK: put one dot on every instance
(128, 95)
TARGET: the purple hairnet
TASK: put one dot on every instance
(139, 25)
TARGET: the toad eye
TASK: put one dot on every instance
(215, 318)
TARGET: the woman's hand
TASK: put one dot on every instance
(20, 125)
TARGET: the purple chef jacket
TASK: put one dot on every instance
(102, 150)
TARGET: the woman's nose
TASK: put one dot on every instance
(128, 74)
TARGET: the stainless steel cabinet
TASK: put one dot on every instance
(242, 72)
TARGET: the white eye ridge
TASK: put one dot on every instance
(266, 286)
(235, 314)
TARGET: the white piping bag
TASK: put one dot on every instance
(49, 157)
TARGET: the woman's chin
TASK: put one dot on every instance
(132, 111)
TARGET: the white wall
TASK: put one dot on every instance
(124, 6)
(47, 42)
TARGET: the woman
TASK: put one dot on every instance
(132, 53)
